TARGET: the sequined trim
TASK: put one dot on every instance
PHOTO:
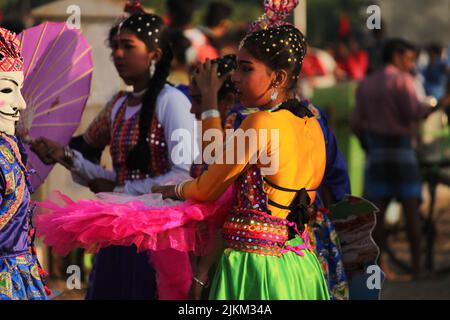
(125, 135)
(255, 232)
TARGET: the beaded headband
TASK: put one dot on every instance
(225, 65)
(144, 24)
(272, 32)
(137, 20)
(10, 57)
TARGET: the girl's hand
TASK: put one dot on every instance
(50, 152)
(166, 191)
(207, 79)
(209, 84)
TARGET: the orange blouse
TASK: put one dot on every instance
(295, 147)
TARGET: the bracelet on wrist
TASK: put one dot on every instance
(203, 284)
(68, 155)
(212, 113)
(179, 190)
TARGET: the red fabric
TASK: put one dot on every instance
(207, 51)
(344, 26)
(355, 65)
(173, 274)
(312, 66)
(10, 57)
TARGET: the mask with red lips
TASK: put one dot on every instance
(11, 81)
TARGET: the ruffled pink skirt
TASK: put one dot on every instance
(170, 229)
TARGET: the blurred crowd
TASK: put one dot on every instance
(348, 58)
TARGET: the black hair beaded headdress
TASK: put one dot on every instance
(276, 35)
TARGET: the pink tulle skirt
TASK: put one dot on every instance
(170, 229)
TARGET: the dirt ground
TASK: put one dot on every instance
(438, 285)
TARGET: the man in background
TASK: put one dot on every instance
(386, 118)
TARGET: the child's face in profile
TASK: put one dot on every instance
(224, 103)
(252, 80)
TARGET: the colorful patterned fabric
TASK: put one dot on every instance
(255, 264)
(253, 231)
(122, 135)
(20, 273)
(20, 278)
(10, 57)
(329, 252)
(323, 236)
(14, 185)
(98, 134)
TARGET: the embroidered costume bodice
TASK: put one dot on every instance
(124, 136)
(15, 213)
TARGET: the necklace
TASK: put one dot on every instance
(138, 94)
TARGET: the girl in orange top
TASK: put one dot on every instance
(267, 254)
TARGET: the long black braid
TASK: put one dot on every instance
(150, 29)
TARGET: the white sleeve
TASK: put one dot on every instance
(84, 170)
(144, 186)
(173, 112)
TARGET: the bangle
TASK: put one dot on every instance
(179, 190)
(203, 284)
(68, 155)
(212, 113)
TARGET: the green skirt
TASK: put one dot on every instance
(249, 276)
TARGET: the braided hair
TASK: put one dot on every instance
(150, 29)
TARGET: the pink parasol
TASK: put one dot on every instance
(58, 71)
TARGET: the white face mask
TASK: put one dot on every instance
(11, 100)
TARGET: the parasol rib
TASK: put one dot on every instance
(61, 124)
(59, 106)
(61, 74)
(47, 54)
(43, 79)
(50, 68)
(87, 73)
(30, 66)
